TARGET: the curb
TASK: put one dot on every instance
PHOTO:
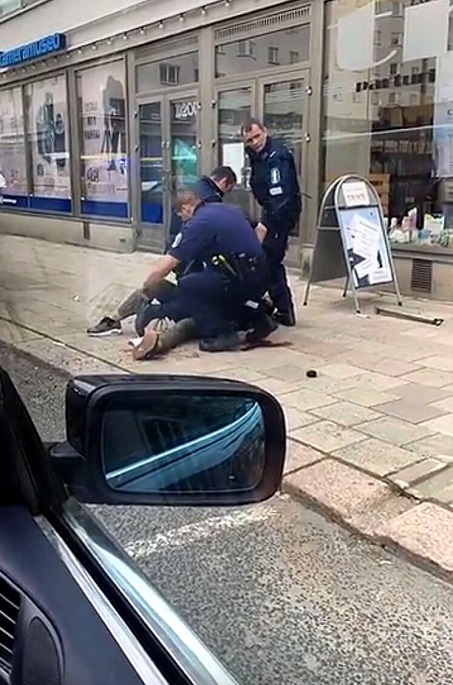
(421, 532)
(374, 510)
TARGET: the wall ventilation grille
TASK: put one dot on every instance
(266, 23)
(422, 275)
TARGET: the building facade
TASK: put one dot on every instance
(107, 108)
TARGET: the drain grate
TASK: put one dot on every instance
(422, 275)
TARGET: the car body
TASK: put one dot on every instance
(74, 608)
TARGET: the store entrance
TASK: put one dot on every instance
(167, 150)
(282, 105)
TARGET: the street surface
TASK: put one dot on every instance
(279, 594)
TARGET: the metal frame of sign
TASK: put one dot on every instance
(330, 259)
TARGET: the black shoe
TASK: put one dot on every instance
(223, 343)
(285, 318)
(106, 326)
(263, 329)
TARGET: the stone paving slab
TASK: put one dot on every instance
(376, 422)
(376, 456)
(425, 532)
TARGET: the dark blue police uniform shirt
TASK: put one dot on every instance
(208, 191)
(274, 183)
(215, 229)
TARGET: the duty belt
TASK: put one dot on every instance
(237, 266)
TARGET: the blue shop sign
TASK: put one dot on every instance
(38, 49)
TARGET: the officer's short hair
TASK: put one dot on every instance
(250, 123)
(185, 196)
(225, 173)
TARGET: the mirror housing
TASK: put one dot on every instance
(170, 440)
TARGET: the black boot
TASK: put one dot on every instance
(285, 318)
(263, 328)
(223, 343)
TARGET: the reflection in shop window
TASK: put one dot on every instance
(273, 56)
(400, 134)
(49, 144)
(180, 70)
(103, 160)
(7, 6)
(246, 48)
(288, 46)
(12, 149)
(169, 74)
(283, 112)
(233, 108)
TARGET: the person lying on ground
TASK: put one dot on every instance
(211, 188)
(226, 296)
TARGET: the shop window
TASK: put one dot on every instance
(180, 70)
(400, 135)
(285, 47)
(13, 167)
(49, 144)
(103, 156)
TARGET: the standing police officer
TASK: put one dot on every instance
(234, 273)
(276, 189)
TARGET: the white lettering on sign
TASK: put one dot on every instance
(186, 110)
(355, 194)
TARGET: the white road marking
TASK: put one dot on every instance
(193, 532)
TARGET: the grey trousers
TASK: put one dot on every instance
(133, 302)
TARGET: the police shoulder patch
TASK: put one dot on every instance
(275, 175)
(177, 240)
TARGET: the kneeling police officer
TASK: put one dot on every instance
(234, 273)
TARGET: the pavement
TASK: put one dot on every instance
(370, 440)
(280, 594)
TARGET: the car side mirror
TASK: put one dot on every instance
(170, 440)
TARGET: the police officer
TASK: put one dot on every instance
(276, 189)
(209, 189)
(234, 275)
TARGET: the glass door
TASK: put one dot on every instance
(234, 107)
(183, 141)
(153, 174)
(284, 112)
(168, 146)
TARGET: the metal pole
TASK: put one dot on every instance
(399, 298)
(350, 279)
(322, 207)
(345, 291)
(419, 318)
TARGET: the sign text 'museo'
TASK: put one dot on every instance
(39, 48)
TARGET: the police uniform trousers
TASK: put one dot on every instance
(275, 246)
(213, 299)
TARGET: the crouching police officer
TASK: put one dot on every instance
(276, 189)
(233, 277)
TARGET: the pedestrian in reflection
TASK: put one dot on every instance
(276, 189)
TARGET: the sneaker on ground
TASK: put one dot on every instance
(106, 326)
